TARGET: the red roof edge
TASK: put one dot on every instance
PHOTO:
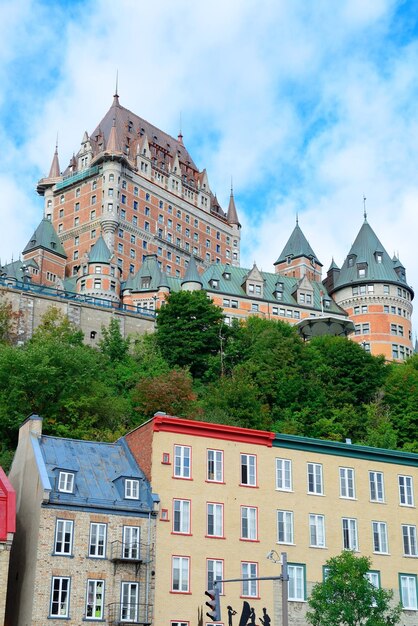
(168, 423)
(7, 507)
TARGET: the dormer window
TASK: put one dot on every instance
(289, 259)
(227, 275)
(131, 489)
(214, 283)
(146, 282)
(66, 482)
(350, 261)
(379, 257)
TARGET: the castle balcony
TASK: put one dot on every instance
(120, 613)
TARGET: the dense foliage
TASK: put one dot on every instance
(347, 598)
(257, 374)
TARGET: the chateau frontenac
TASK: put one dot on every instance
(132, 218)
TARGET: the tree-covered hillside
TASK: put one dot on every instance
(258, 374)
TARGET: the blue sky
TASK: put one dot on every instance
(307, 105)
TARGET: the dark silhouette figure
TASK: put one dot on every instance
(252, 617)
(231, 612)
(265, 620)
(246, 613)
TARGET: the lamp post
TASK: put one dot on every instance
(282, 559)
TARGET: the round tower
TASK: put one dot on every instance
(99, 276)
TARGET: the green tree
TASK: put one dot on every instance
(190, 329)
(56, 326)
(8, 322)
(113, 345)
(170, 392)
(347, 598)
(400, 396)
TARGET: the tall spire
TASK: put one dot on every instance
(232, 215)
(180, 135)
(55, 172)
(364, 208)
(112, 143)
(116, 95)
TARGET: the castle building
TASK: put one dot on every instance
(85, 540)
(229, 496)
(132, 219)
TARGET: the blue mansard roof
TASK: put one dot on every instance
(100, 471)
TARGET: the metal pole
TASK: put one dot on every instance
(285, 595)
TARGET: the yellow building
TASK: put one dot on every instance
(230, 495)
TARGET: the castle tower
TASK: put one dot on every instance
(372, 288)
(232, 217)
(98, 275)
(192, 280)
(298, 259)
(44, 256)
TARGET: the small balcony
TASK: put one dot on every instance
(129, 613)
(126, 551)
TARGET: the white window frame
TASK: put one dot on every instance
(131, 541)
(296, 584)
(214, 571)
(315, 479)
(129, 601)
(347, 483)
(181, 516)
(409, 539)
(214, 519)
(350, 535)
(249, 569)
(377, 486)
(180, 574)
(131, 489)
(317, 530)
(66, 482)
(248, 470)
(63, 529)
(95, 599)
(97, 540)
(408, 591)
(60, 585)
(406, 490)
(249, 516)
(380, 537)
(285, 527)
(182, 462)
(215, 466)
(283, 474)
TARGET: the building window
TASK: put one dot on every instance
(63, 536)
(248, 470)
(408, 589)
(129, 595)
(76, 221)
(66, 482)
(284, 474)
(409, 537)
(130, 544)
(350, 541)
(182, 461)
(347, 483)
(94, 600)
(215, 514)
(377, 493)
(131, 489)
(97, 283)
(285, 527)
(215, 572)
(97, 541)
(249, 523)
(380, 537)
(406, 494)
(181, 516)
(317, 530)
(296, 582)
(60, 596)
(77, 206)
(315, 482)
(215, 466)
(249, 587)
(180, 574)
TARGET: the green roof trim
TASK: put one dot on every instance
(45, 237)
(337, 448)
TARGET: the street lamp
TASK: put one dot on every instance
(275, 557)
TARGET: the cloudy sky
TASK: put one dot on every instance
(306, 104)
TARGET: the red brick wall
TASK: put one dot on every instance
(140, 444)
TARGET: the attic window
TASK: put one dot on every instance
(350, 261)
(379, 257)
(214, 283)
(289, 259)
(146, 282)
(53, 245)
(227, 275)
(66, 482)
(131, 489)
(362, 270)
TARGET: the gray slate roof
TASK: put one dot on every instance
(100, 253)
(364, 251)
(45, 237)
(297, 246)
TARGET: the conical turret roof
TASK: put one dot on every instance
(100, 253)
(232, 215)
(297, 246)
(192, 275)
(55, 172)
(45, 237)
(369, 252)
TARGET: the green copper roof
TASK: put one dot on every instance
(367, 253)
(100, 253)
(45, 237)
(192, 275)
(297, 246)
